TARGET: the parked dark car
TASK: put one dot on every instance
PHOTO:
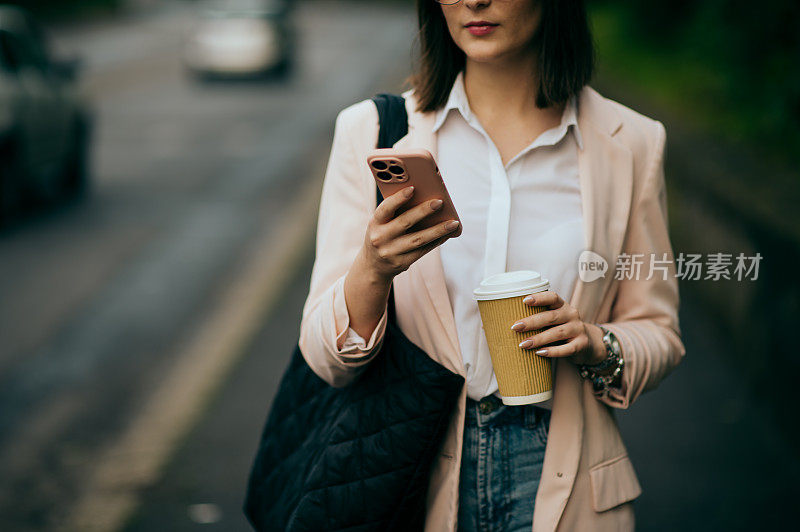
(241, 38)
(44, 120)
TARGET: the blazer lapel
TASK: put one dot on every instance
(605, 168)
(429, 267)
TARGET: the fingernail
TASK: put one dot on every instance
(452, 224)
(528, 300)
(518, 326)
(435, 204)
(541, 352)
(408, 191)
(526, 344)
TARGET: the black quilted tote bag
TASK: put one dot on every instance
(357, 458)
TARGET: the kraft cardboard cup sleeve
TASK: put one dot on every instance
(522, 376)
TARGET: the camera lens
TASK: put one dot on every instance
(379, 165)
(384, 176)
(396, 170)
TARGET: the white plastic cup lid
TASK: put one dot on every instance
(510, 284)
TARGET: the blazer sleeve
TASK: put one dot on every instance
(644, 315)
(346, 206)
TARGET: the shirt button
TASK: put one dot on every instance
(486, 406)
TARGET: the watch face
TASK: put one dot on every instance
(611, 341)
(615, 345)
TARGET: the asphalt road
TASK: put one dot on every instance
(203, 486)
(97, 297)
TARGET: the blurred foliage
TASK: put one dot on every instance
(65, 9)
(731, 64)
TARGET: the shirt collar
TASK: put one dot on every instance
(458, 100)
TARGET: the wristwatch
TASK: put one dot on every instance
(601, 374)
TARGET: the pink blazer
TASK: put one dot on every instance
(588, 480)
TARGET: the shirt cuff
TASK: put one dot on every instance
(351, 347)
(353, 339)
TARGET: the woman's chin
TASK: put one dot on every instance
(486, 53)
(483, 54)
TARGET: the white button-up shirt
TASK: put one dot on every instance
(524, 215)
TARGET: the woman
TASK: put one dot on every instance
(542, 169)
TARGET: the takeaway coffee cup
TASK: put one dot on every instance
(522, 376)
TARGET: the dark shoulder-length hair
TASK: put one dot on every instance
(563, 44)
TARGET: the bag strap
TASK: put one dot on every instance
(393, 122)
(392, 118)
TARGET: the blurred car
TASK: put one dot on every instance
(44, 120)
(238, 38)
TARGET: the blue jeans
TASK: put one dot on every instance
(501, 465)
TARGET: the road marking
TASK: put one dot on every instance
(136, 458)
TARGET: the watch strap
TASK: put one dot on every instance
(595, 372)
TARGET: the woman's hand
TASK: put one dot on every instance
(565, 334)
(387, 249)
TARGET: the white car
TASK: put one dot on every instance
(241, 38)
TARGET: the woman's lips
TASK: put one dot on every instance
(481, 28)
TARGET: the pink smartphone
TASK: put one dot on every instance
(395, 170)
